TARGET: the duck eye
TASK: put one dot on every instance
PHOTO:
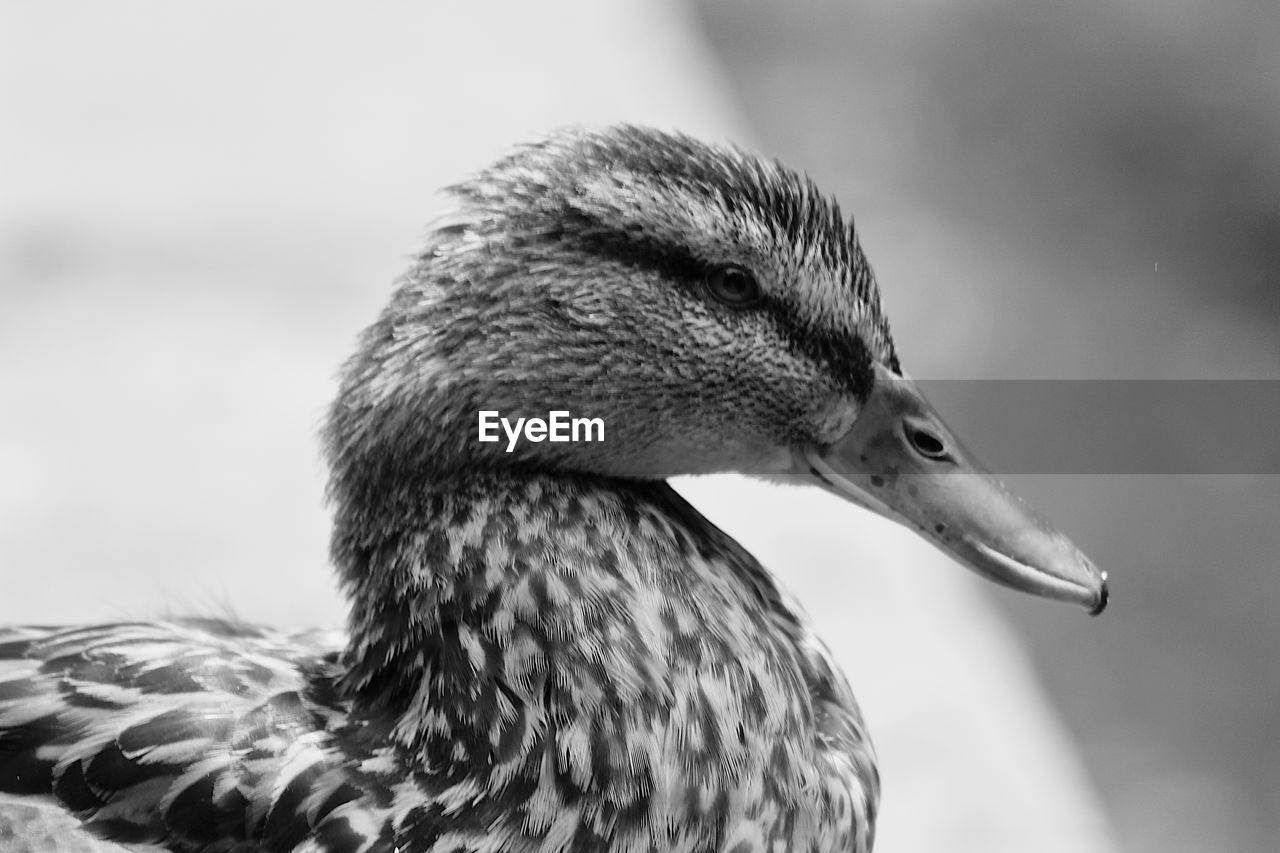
(733, 286)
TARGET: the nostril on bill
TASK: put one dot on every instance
(925, 443)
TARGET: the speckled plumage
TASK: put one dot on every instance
(600, 666)
(548, 650)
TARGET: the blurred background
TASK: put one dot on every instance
(203, 203)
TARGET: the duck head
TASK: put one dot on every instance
(712, 309)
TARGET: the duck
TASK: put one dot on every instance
(548, 648)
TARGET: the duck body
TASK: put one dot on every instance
(572, 663)
(547, 648)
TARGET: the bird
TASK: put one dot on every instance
(547, 647)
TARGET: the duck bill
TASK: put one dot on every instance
(900, 461)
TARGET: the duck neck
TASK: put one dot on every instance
(415, 567)
(440, 570)
(478, 595)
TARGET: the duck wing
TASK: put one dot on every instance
(196, 735)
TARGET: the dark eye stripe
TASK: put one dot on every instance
(847, 359)
(632, 249)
